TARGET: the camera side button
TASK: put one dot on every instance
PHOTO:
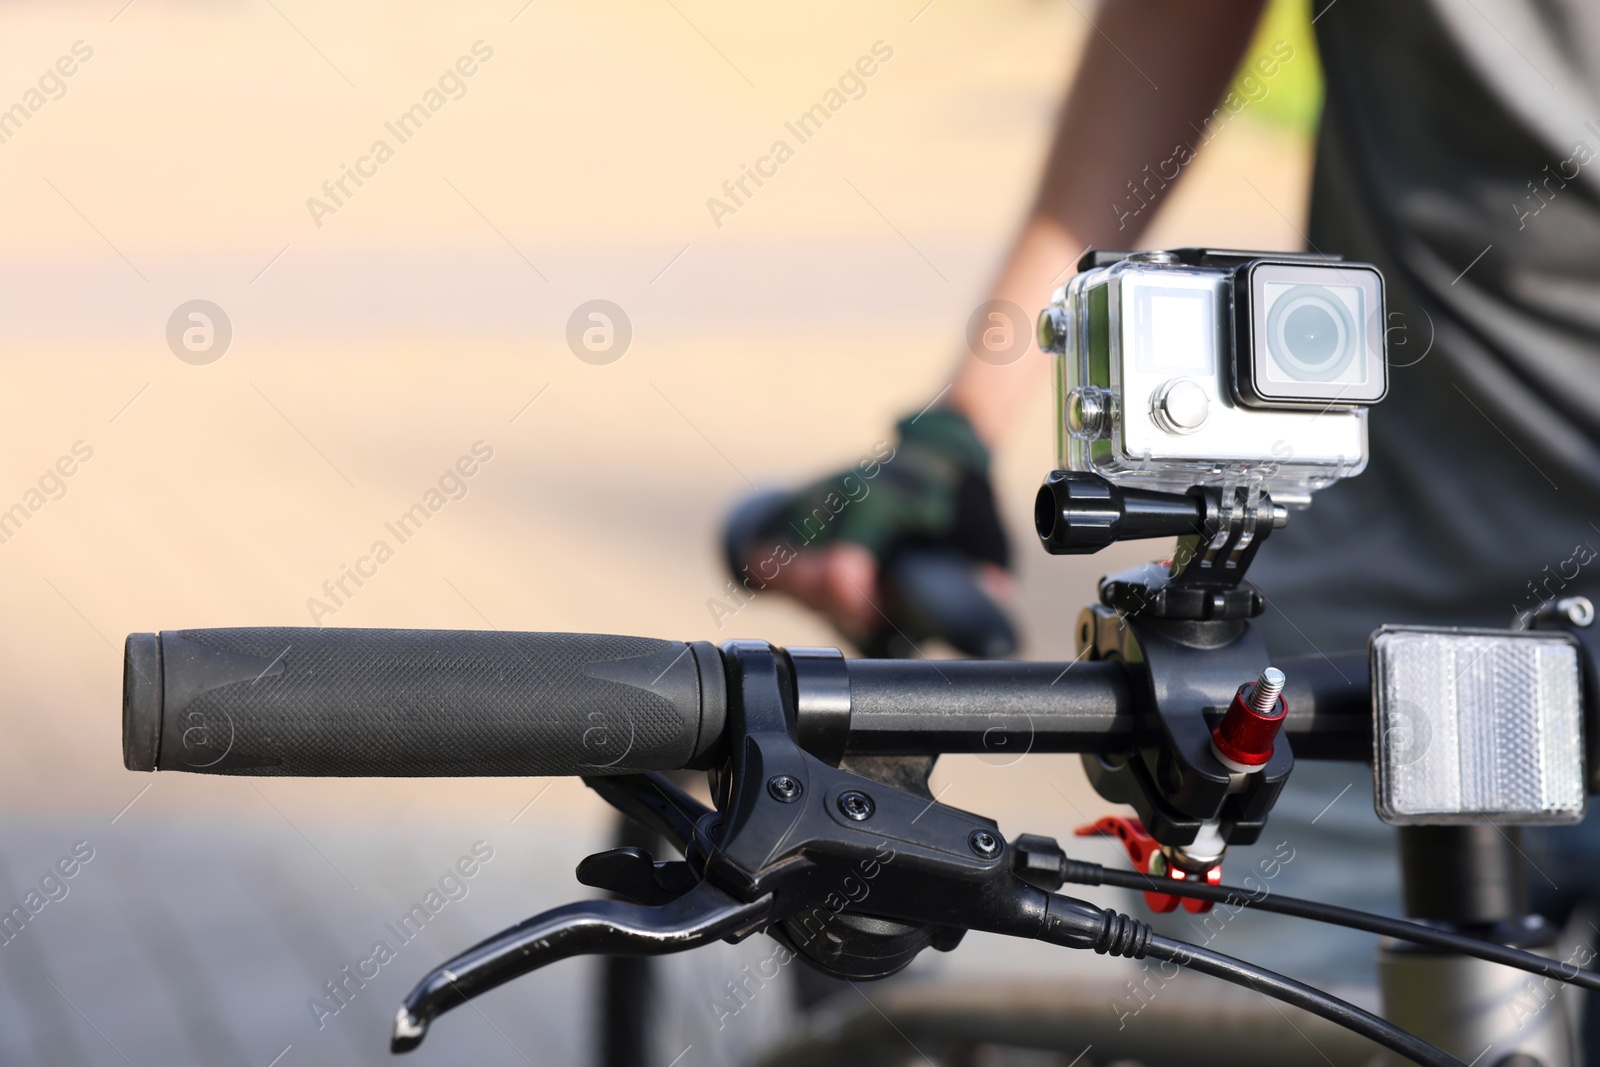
(1181, 406)
(1087, 417)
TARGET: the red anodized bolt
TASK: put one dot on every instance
(1244, 738)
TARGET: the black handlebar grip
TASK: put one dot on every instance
(417, 703)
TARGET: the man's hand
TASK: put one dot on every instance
(826, 544)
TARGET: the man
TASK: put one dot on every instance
(1457, 152)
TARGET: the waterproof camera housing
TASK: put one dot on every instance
(1209, 367)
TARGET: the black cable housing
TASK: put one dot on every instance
(1081, 873)
(1271, 984)
(1079, 924)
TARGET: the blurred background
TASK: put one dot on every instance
(358, 341)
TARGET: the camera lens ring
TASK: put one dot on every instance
(1298, 309)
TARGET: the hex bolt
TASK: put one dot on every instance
(855, 805)
(1265, 698)
(985, 843)
(784, 788)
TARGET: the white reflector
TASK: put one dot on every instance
(1477, 725)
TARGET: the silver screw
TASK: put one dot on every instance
(1264, 701)
(855, 805)
(984, 843)
(784, 787)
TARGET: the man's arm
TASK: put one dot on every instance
(1151, 73)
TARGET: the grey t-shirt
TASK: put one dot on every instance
(1460, 152)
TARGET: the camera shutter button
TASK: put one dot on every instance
(1182, 406)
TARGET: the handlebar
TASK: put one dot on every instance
(351, 703)
(460, 703)
(928, 707)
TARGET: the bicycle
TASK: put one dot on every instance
(1172, 704)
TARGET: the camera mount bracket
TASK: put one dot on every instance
(1219, 530)
(1174, 780)
(1187, 621)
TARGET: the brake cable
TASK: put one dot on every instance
(1079, 924)
(1080, 872)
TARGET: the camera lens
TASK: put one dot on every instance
(1310, 334)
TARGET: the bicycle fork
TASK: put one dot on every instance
(1474, 879)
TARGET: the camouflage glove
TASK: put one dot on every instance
(930, 490)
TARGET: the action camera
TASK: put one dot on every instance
(1204, 367)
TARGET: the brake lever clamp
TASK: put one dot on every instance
(854, 875)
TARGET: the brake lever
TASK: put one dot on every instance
(799, 847)
(601, 927)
